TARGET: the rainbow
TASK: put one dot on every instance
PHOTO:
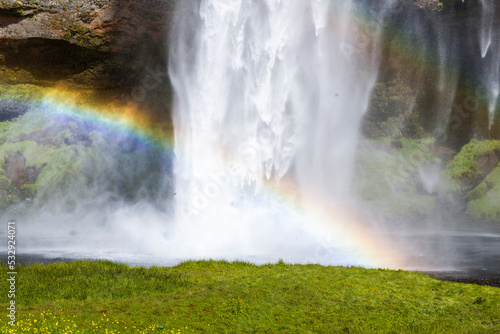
(124, 119)
(342, 224)
(336, 224)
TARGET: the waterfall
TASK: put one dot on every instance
(490, 49)
(487, 15)
(268, 92)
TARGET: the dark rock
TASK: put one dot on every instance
(395, 144)
(444, 153)
(488, 162)
(91, 44)
(11, 109)
(118, 26)
(15, 169)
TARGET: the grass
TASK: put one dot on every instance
(221, 297)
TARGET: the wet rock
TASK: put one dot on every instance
(108, 46)
(473, 164)
(488, 161)
(474, 175)
(15, 169)
(484, 200)
(116, 26)
(11, 109)
(444, 153)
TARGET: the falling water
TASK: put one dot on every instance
(487, 15)
(490, 49)
(269, 99)
(460, 49)
(268, 93)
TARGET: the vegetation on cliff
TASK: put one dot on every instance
(473, 175)
(68, 159)
(473, 163)
(484, 200)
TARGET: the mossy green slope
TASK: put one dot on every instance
(57, 163)
(464, 169)
(474, 174)
(221, 297)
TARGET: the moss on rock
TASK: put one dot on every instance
(474, 175)
(477, 192)
(485, 198)
(25, 93)
(51, 165)
(472, 164)
(81, 35)
(65, 161)
(15, 76)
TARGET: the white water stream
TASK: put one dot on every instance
(268, 93)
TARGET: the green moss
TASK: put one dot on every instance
(55, 164)
(4, 127)
(60, 169)
(465, 163)
(8, 194)
(32, 121)
(68, 157)
(15, 76)
(478, 192)
(464, 168)
(82, 36)
(485, 200)
(59, 165)
(390, 112)
(4, 182)
(23, 93)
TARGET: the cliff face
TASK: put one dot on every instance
(116, 26)
(108, 51)
(44, 42)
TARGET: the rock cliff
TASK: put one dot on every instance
(44, 42)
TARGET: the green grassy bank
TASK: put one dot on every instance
(221, 297)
